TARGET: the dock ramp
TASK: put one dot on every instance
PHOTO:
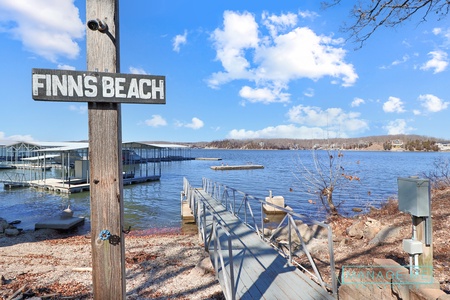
(246, 266)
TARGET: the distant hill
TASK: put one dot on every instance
(373, 143)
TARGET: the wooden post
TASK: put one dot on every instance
(105, 157)
(426, 258)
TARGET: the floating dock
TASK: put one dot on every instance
(60, 223)
(208, 158)
(70, 186)
(238, 167)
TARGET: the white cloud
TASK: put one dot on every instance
(275, 23)
(443, 33)
(48, 28)
(272, 61)
(134, 70)
(333, 119)
(264, 95)
(432, 103)
(393, 104)
(306, 14)
(179, 40)
(239, 33)
(24, 138)
(404, 59)
(195, 124)
(156, 121)
(357, 102)
(284, 131)
(303, 54)
(65, 67)
(82, 109)
(438, 62)
(437, 31)
(309, 92)
(398, 126)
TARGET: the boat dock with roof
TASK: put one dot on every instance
(29, 164)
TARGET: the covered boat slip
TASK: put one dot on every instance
(141, 163)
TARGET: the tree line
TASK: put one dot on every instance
(387, 142)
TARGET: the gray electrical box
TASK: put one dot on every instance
(414, 196)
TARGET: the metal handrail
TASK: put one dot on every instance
(234, 205)
(214, 188)
(200, 207)
(13, 177)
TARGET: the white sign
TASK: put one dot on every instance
(87, 86)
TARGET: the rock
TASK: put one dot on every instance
(3, 225)
(319, 232)
(356, 230)
(317, 246)
(267, 231)
(357, 209)
(385, 233)
(305, 232)
(12, 231)
(372, 227)
(343, 242)
(203, 267)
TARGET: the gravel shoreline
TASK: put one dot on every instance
(158, 266)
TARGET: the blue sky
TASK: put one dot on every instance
(234, 69)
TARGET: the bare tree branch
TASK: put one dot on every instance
(369, 16)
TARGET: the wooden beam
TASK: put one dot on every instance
(426, 258)
(105, 158)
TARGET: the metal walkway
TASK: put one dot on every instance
(246, 266)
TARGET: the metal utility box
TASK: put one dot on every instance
(414, 196)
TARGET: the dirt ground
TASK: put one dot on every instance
(171, 265)
(55, 265)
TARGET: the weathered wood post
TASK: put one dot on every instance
(104, 90)
(105, 157)
(426, 258)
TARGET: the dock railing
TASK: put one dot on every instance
(201, 211)
(13, 178)
(239, 204)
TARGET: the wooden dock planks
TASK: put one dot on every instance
(260, 272)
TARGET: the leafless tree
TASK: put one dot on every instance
(440, 175)
(326, 175)
(370, 15)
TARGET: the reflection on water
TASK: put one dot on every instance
(157, 204)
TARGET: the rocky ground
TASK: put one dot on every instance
(47, 263)
(356, 241)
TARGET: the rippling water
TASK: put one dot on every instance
(157, 204)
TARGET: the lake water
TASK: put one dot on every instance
(157, 204)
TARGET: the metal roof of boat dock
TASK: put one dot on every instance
(70, 146)
(40, 157)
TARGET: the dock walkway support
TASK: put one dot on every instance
(246, 267)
